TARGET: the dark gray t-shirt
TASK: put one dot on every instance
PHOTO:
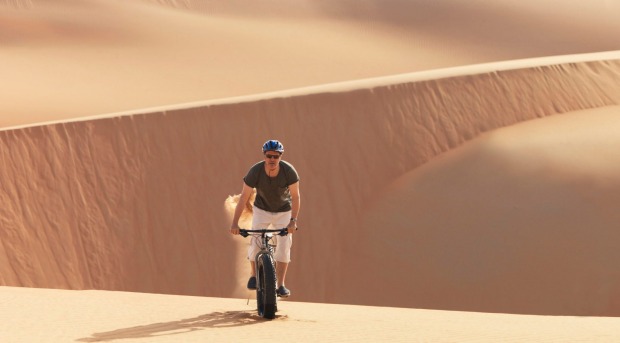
(272, 193)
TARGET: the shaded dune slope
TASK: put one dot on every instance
(135, 202)
(523, 220)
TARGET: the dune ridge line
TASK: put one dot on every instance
(347, 86)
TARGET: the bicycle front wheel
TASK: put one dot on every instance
(266, 290)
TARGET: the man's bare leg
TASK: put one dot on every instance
(281, 268)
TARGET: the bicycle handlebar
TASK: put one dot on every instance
(281, 232)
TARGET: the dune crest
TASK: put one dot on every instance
(17, 3)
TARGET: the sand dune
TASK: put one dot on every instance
(137, 200)
(439, 171)
(537, 237)
(97, 316)
(69, 59)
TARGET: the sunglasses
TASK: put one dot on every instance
(269, 156)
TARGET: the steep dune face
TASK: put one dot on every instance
(136, 203)
(114, 204)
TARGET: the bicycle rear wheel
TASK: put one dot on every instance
(266, 290)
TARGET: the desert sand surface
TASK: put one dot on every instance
(43, 315)
(136, 203)
(542, 221)
(455, 159)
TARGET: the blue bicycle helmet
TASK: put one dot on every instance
(273, 145)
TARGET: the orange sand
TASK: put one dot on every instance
(487, 187)
(40, 315)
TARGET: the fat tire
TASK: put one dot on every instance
(266, 291)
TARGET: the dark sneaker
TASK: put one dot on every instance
(252, 283)
(283, 292)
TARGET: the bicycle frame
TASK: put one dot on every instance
(265, 271)
(266, 247)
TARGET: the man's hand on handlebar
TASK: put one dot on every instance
(234, 229)
(292, 227)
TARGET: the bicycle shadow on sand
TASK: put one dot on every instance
(215, 320)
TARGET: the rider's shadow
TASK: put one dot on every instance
(206, 321)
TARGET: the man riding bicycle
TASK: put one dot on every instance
(277, 204)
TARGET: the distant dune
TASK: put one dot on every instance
(453, 156)
(70, 59)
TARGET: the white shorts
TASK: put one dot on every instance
(273, 221)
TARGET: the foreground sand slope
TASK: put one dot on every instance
(42, 315)
(136, 202)
(68, 59)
